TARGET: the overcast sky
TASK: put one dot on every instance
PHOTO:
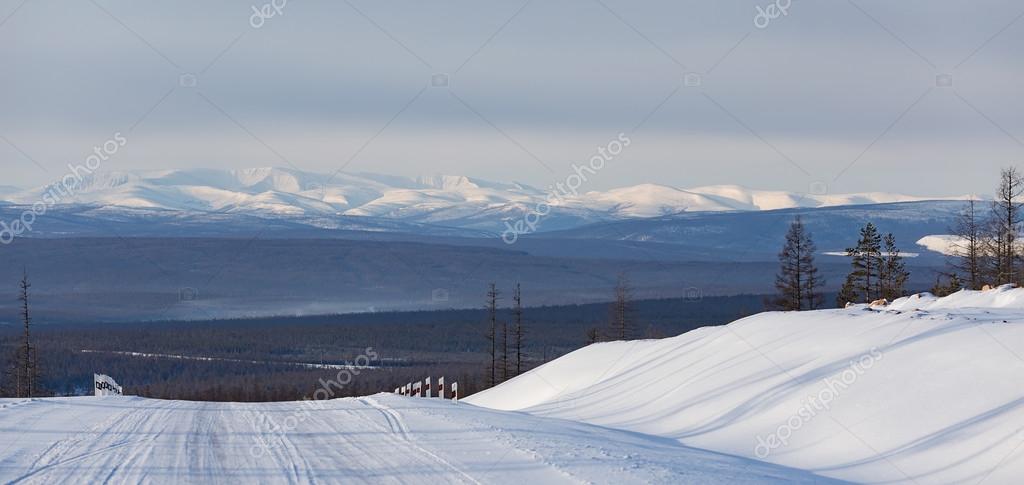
(851, 94)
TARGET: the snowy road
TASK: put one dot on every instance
(379, 439)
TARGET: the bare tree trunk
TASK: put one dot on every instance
(25, 371)
(504, 351)
(1006, 226)
(492, 309)
(969, 248)
(517, 311)
(621, 309)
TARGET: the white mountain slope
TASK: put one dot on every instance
(925, 390)
(382, 439)
(443, 200)
(944, 244)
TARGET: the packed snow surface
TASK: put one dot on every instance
(380, 439)
(924, 390)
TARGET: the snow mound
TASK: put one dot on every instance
(1002, 297)
(924, 390)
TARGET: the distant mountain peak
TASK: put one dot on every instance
(448, 200)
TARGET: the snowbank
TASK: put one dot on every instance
(926, 390)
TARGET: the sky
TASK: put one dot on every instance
(919, 96)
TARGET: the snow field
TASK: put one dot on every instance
(925, 390)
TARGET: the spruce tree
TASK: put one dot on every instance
(846, 293)
(798, 283)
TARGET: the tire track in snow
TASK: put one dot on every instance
(343, 431)
(511, 443)
(398, 427)
(57, 454)
(271, 442)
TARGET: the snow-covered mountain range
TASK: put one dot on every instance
(447, 200)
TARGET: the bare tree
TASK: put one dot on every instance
(1005, 227)
(593, 336)
(504, 350)
(968, 247)
(518, 330)
(492, 318)
(622, 309)
(25, 368)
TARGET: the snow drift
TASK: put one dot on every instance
(926, 390)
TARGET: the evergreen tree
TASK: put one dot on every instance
(798, 283)
(893, 273)
(593, 336)
(952, 285)
(846, 293)
(863, 284)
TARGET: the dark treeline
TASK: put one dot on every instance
(411, 345)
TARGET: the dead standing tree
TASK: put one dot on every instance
(25, 369)
(1005, 227)
(622, 309)
(518, 331)
(492, 337)
(969, 248)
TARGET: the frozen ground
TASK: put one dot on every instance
(378, 439)
(925, 390)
